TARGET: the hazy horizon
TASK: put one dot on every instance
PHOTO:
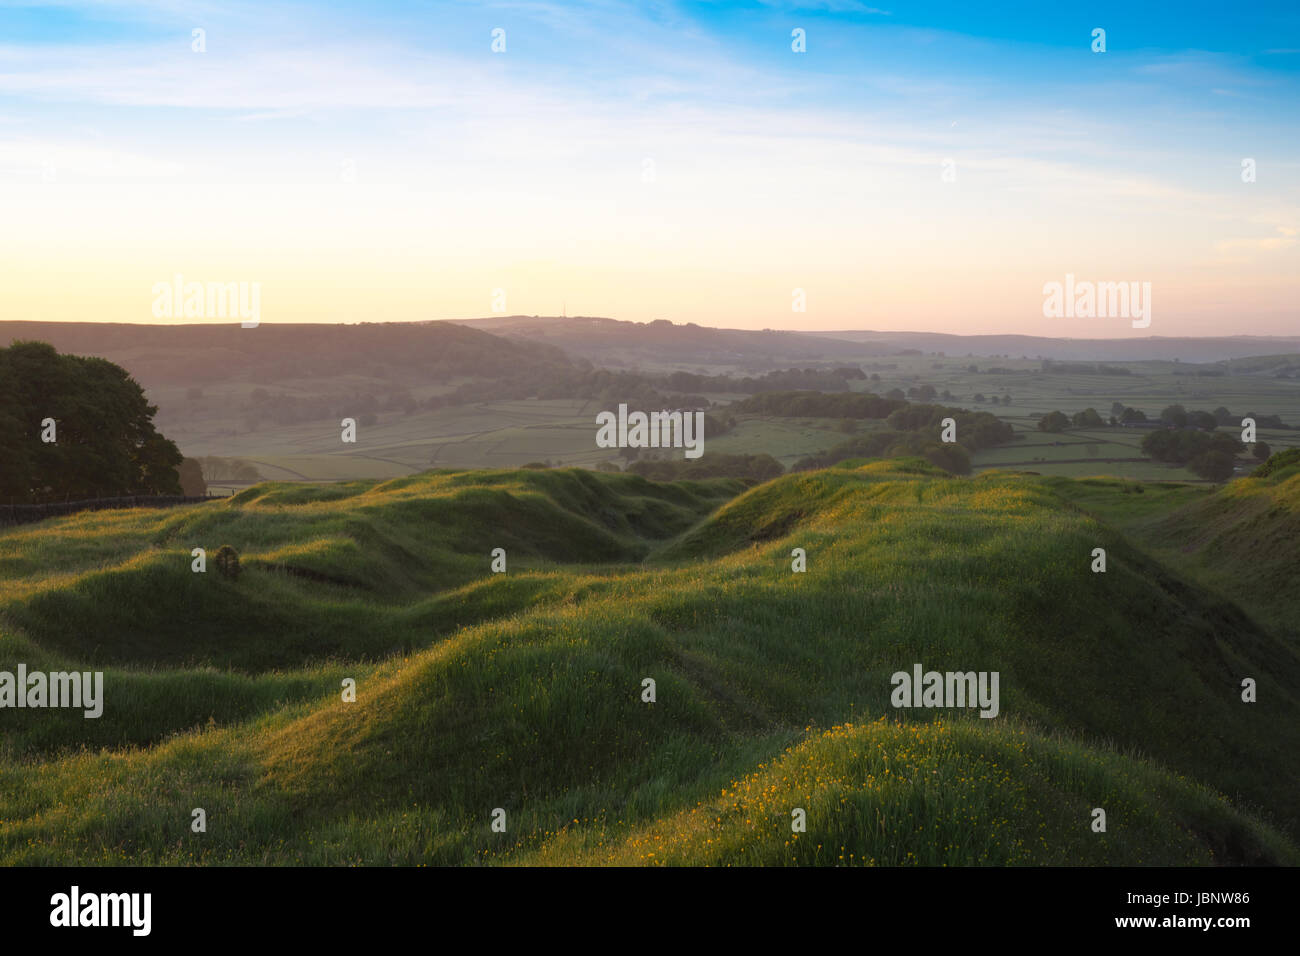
(722, 328)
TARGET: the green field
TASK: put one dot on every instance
(562, 431)
(523, 690)
(498, 434)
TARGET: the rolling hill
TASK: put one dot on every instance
(198, 354)
(523, 691)
(1240, 542)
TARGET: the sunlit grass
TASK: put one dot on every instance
(522, 690)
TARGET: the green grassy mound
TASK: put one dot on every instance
(1241, 541)
(329, 571)
(523, 691)
(936, 794)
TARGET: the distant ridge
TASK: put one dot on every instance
(208, 351)
(594, 336)
(1147, 348)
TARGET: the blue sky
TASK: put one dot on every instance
(655, 160)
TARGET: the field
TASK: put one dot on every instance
(524, 691)
(562, 431)
(498, 434)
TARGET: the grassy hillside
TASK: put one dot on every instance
(1241, 542)
(522, 690)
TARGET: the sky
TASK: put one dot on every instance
(917, 166)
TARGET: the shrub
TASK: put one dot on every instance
(227, 562)
(1275, 463)
(1214, 464)
(1053, 422)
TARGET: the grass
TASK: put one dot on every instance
(522, 690)
(1239, 542)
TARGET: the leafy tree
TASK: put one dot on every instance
(760, 467)
(817, 405)
(1175, 415)
(949, 456)
(1182, 446)
(1216, 465)
(1266, 421)
(1053, 422)
(1132, 415)
(190, 475)
(1223, 416)
(1262, 450)
(975, 430)
(1088, 418)
(105, 441)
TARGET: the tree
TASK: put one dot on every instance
(1222, 416)
(1088, 418)
(1132, 415)
(1053, 422)
(1174, 415)
(190, 475)
(105, 443)
(1214, 464)
(949, 456)
(1262, 450)
(1184, 445)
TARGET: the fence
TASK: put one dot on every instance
(22, 514)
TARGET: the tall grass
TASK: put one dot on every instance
(522, 690)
